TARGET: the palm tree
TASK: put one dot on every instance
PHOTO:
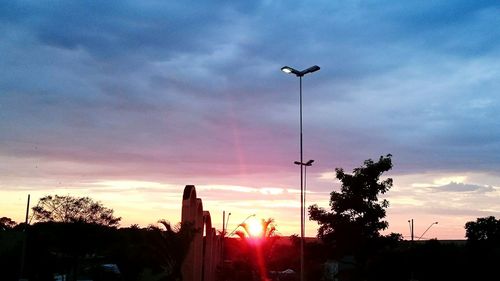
(173, 246)
(259, 248)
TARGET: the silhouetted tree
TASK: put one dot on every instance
(6, 223)
(266, 241)
(173, 247)
(152, 253)
(356, 215)
(483, 229)
(483, 247)
(11, 248)
(66, 247)
(285, 254)
(259, 249)
(73, 209)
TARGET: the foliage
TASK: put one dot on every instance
(79, 250)
(6, 223)
(70, 209)
(483, 229)
(11, 247)
(268, 229)
(65, 247)
(267, 239)
(356, 213)
(258, 250)
(173, 246)
(151, 253)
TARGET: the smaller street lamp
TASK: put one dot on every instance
(224, 231)
(232, 232)
(427, 229)
(411, 228)
(227, 221)
(305, 165)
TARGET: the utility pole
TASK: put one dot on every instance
(223, 238)
(410, 223)
(25, 230)
(412, 232)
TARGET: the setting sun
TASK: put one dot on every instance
(254, 228)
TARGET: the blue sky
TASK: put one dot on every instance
(129, 101)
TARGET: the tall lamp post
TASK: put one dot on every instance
(427, 229)
(300, 74)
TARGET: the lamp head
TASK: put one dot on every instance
(310, 69)
(286, 69)
(297, 163)
(309, 163)
(290, 70)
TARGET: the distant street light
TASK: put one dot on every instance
(224, 230)
(411, 228)
(227, 221)
(232, 232)
(300, 74)
(427, 229)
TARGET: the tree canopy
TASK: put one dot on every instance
(356, 213)
(73, 209)
(7, 223)
(483, 229)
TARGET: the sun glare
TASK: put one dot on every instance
(254, 228)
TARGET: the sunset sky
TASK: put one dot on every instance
(129, 101)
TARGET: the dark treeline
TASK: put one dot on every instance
(80, 250)
(422, 260)
(77, 238)
(88, 251)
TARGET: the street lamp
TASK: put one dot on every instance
(427, 229)
(411, 228)
(227, 221)
(252, 215)
(300, 74)
(224, 230)
(308, 163)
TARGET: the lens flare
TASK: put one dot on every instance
(254, 228)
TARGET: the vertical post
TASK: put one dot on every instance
(27, 212)
(412, 274)
(25, 234)
(305, 193)
(299, 74)
(301, 188)
(223, 222)
(412, 233)
(222, 242)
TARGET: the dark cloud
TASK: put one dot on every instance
(195, 89)
(118, 29)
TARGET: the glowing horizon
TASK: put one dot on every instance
(166, 201)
